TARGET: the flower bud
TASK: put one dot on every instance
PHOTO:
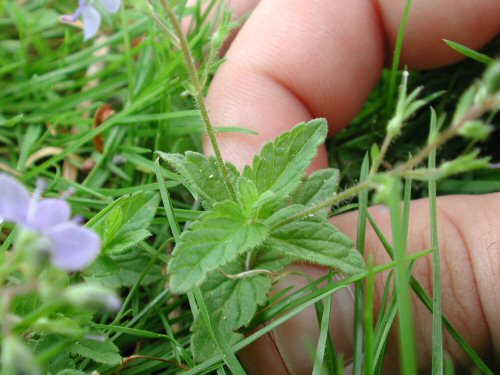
(464, 163)
(386, 188)
(492, 78)
(93, 297)
(476, 130)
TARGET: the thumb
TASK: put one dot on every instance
(469, 243)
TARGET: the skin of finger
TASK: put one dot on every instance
(472, 23)
(298, 59)
(275, 71)
(291, 346)
(470, 267)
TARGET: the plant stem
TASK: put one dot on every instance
(437, 314)
(359, 292)
(198, 94)
(346, 194)
(474, 113)
(381, 155)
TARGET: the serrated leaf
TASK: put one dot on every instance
(235, 299)
(217, 239)
(201, 176)
(104, 352)
(283, 214)
(123, 269)
(273, 261)
(321, 185)
(316, 242)
(25, 303)
(139, 210)
(125, 240)
(59, 362)
(256, 206)
(247, 193)
(125, 223)
(202, 343)
(232, 304)
(281, 164)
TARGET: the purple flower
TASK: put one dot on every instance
(70, 246)
(90, 15)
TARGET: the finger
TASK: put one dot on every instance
(470, 23)
(291, 61)
(298, 59)
(469, 242)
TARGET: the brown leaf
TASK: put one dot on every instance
(101, 114)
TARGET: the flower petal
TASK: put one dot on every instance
(14, 200)
(91, 21)
(73, 247)
(111, 5)
(48, 213)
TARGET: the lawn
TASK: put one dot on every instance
(189, 249)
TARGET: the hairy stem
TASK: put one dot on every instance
(346, 194)
(198, 94)
(381, 155)
(474, 113)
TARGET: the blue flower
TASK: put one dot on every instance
(90, 15)
(70, 246)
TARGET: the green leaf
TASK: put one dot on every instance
(104, 352)
(256, 206)
(59, 362)
(236, 299)
(202, 176)
(202, 343)
(247, 194)
(283, 214)
(232, 303)
(466, 51)
(321, 185)
(138, 211)
(123, 269)
(282, 163)
(125, 240)
(316, 242)
(25, 303)
(125, 222)
(217, 239)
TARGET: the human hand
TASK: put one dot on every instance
(294, 60)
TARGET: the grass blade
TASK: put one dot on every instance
(406, 330)
(359, 290)
(397, 56)
(470, 53)
(437, 323)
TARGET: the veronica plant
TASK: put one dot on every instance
(278, 215)
(239, 245)
(91, 15)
